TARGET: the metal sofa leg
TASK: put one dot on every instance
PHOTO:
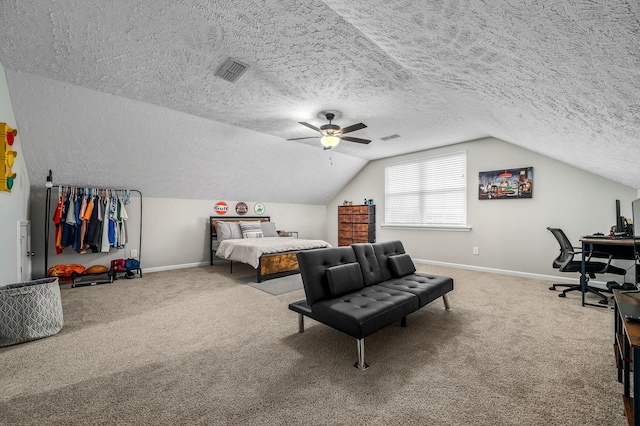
(360, 364)
(300, 323)
(446, 302)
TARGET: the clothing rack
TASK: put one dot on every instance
(47, 219)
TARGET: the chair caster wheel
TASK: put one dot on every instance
(553, 287)
(562, 295)
(603, 302)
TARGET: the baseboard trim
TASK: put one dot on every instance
(172, 267)
(509, 272)
(430, 262)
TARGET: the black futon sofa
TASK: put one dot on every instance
(362, 288)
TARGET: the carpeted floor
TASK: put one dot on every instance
(280, 285)
(201, 346)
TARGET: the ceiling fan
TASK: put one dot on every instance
(332, 133)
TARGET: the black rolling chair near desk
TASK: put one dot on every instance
(586, 267)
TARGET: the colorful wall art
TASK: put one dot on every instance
(7, 157)
(506, 184)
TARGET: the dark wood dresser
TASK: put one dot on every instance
(356, 224)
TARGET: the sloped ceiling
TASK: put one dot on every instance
(124, 94)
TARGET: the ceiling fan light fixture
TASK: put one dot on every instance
(330, 141)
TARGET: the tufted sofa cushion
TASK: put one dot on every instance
(383, 251)
(377, 261)
(344, 278)
(374, 260)
(365, 311)
(426, 286)
(368, 263)
(313, 265)
(392, 289)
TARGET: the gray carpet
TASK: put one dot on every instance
(280, 285)
(201, 347)
(245, 274)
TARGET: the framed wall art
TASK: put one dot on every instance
(506, 184)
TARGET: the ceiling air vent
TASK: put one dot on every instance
(386, 138)
(232, 70)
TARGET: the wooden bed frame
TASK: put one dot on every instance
(272, 265)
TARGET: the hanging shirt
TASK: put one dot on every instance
(77, 207)
(83, 226)
(57, 219)
(104, 247)
(93, 225)
(71, 212)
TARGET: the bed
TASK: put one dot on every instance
(255, 241)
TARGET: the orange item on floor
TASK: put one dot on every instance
(65, 270)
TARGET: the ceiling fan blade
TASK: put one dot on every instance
(351, 139)
(311, 126)
(353, 128)
(308, 137)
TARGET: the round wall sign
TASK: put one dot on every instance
(221, 207)
(242, 208)
(259, 208)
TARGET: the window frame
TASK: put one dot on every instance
(422, 191)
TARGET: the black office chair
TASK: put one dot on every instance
(565, 263)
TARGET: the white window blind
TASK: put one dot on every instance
(427, 191)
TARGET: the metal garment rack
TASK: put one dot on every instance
(47, 224)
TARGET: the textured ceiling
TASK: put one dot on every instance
(123, 93)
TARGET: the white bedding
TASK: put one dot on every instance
(249, 250)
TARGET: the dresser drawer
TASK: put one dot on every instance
(360, 210)
(360, 218)
(361, 227)
(345, 234)
(345, 226)
(344, 241)
(362, 237)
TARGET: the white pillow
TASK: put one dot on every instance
(269, 229)
(236, 232)
(251, 229)
(228, 230)
(222, 230)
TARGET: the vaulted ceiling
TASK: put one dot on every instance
(124, 93)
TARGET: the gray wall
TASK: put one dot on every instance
(511, 234)
(14, 204)
(175, 232)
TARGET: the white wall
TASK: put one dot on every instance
(14, 204)
(175, 232)
(511, 234)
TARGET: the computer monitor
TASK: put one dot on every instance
(635, 233)
(635, 216)
(620, 228)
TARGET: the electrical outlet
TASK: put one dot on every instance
(134, 254)
(475, 251)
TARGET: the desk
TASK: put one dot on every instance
(617, 248)
(627, 340)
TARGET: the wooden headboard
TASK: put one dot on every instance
(214, 219)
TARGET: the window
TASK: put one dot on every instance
(427, 192)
